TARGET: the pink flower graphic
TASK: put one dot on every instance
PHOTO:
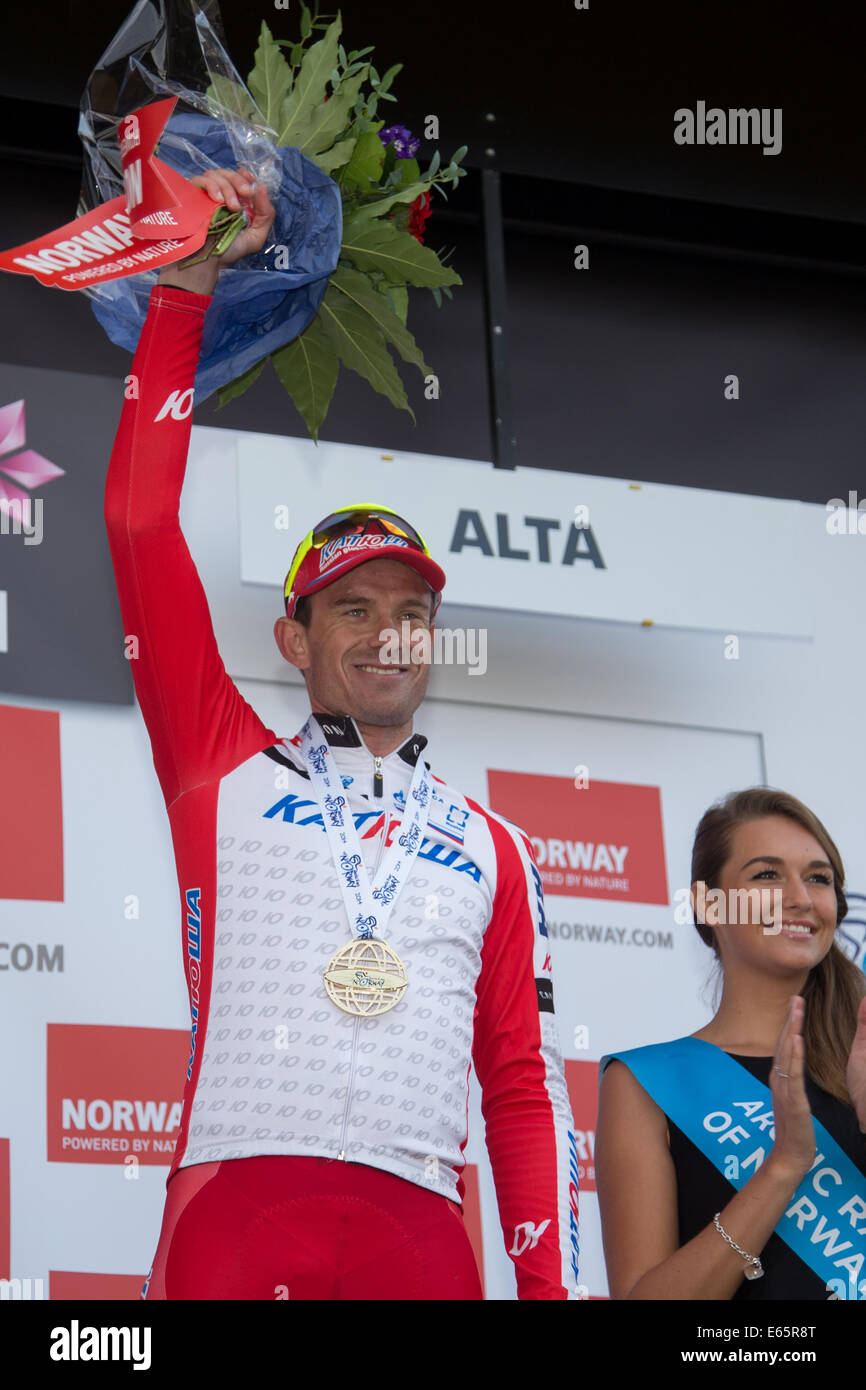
(26, 467)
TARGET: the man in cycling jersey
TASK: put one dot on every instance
(355, 930)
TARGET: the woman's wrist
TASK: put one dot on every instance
(782, 1172)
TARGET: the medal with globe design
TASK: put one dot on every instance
(365, 977)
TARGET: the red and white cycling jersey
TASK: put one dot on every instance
(275, 1067)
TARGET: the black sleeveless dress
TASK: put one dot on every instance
(702, 1191)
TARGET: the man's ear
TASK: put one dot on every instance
(292, 639)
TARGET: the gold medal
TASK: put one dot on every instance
(365, 977)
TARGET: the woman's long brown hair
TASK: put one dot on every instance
(833, 991)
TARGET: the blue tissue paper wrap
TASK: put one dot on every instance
(256, 307)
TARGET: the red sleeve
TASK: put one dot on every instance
(518, 1062)
(200, 726)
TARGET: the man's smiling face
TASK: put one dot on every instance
(339, 650)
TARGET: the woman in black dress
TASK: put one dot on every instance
(793, 1013)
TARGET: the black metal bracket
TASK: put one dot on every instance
(495, 295)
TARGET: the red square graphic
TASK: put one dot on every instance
(31, 806)
(114, 1092)
(600, 841)
(5, 1210)
(472, 1215)
(582, 1081)
(91, 1288)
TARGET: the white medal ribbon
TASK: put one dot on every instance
(368, 904)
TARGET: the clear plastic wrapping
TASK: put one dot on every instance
(175, 48)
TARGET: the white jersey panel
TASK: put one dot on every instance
(283, 1070)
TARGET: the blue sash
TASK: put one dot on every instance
(728, 1113)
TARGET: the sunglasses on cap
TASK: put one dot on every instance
(347, 521)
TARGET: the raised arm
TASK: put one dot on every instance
(519, 1065)
(637, 1188)
(199, 724)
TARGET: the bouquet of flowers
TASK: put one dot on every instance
(352, 203)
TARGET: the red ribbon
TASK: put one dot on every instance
(160, 218)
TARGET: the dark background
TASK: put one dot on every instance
(581, 96)
(703, 260)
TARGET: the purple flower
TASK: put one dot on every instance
(404, 142)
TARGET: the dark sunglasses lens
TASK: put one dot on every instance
(341, 524)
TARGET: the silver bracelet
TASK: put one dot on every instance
(754, 1269)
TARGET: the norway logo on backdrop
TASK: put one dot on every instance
(600, 841)
(31, 805)
(65, 1284)
(581, 1079)
(114, 1093)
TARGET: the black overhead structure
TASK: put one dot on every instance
(496, 312)
(706, 260)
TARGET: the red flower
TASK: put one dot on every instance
(419, 211)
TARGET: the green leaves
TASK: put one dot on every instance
(326, 121)
(398, 298)
(271, 78)
(366, 212)
(384, 84)
(361, 346)
(365, 166)
(223, 228)
(231, 95)
(353, 326)
(335, 157)
(304, 118)
(357, 288)
(240, 383)
(307, 368)
(380, 246)
(322, 101)
(309, 89)
(408, 171)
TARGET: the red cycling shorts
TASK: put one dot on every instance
(308, 1228)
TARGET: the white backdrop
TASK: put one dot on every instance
(654, 707)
